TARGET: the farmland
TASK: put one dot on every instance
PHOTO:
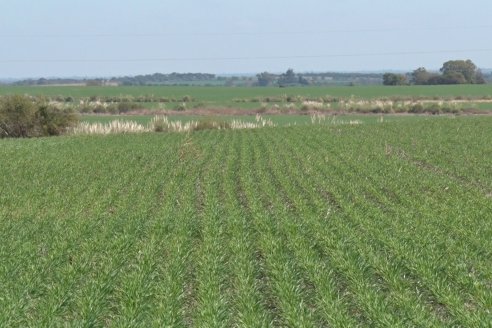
(226, 94)
(169, 98)
(381, 224)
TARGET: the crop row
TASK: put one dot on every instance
(308, 226)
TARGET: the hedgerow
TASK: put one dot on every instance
(21, 117)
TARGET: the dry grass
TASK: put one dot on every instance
(112, 127)
(320, 118)
(161, 123)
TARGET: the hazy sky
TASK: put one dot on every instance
(117, 37)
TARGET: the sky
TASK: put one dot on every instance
(89, 38)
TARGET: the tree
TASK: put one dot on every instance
(265, 79)
(453, 77)
(479, 77)
(454, 70)
(303, 81)
(288, 78)
(421, 76)
(394, 79)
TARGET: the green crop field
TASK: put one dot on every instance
(224, 94)
(398, 99)
(370, 225)
(272, 100)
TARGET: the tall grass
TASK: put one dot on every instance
(112, 127)
(162, 123)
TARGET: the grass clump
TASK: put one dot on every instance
(211, 125)
(21, 117)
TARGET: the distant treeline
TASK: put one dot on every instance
(52, 81)
(289, 78)
(159, 78)
(344, 78)
(451, 72)
(139, 80)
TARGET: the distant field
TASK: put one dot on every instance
(272, 99)
(227, 94)
(370, 225)
(192, 98)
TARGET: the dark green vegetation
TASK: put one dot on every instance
(453, 72)
(203, 79)
(394, 79)
(21, 117)
(370, 225)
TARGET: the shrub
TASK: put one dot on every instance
(305, 108)
(187, 99)
(125, 106)
(54, 121)
(180, 107)
(99, 109)
(159, 124)
(212, 125)
(417, 109)
(434, 109)
(59, 98)
(17, 117)
(199, 105)
(85, 109)
(145, 98)
(112, 109)
(20, 117)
